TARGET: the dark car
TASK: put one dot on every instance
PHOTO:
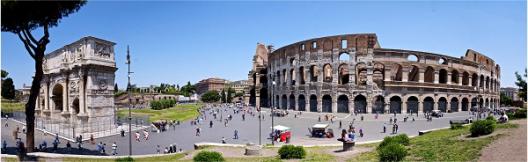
(437, 113)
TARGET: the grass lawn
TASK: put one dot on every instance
(12, 106)
(180, 112)
(442, 145)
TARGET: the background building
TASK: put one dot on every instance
(210, 84)
(239, 86)
(511, 92)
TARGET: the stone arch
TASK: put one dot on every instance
(379, 105)
(486, 103)
(412, 104)
(284, 102)
(327, 73)
(344, 57)
(343, 74)
(487, 82)
(292, 102)
(481, 81)
(474, 102)
(252, 96)
(342, 104)
(301, 103)
(314, 73)
(465, 104)
(302, 78)
(429, 74)
(454, 77)
(395, 104)
(414, 73)
(57, 96)
(360, 104)
(442, 76)
(454, 104)
(474, 81)
(264, 101)
(327, 103)
(378, 75)
(442, 104)
(361, 74)
(292, 76)
(428, 104)
(313, 103)
(465, 78)
(75, 106)
(396, 72)
(277, 103)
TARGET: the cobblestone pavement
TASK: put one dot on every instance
(184, 135)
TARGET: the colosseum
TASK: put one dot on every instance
(352, 73)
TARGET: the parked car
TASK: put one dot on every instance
(437, 113)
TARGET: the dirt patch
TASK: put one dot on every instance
(495, 133)
(234, 152)
(339, 154)
(509, 147)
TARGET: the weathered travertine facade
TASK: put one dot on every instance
(77, 87)
(352, 73)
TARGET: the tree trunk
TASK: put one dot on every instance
(30, 105)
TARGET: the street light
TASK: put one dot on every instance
(272, 110)
(129, 103)
(258, 109)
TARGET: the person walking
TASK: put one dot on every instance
(211, 124)
(197, 131)
(138, 136)
(360, 132)
(114, 148)
(146, 134)
(223, 140)
(236, 134)
(340, 124)
(384, 128)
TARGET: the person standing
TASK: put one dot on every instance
(211, 124)
(384, 128)
(360, 132)
(146, 134)
(92, 140)
(114, 148)
(236, 134)
(197, 131)
(340, 124)
(138, 136)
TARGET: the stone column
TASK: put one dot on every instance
(387, 74)
(460, 79)
(404, 108)
(436, 77)
(448, 105)
(448, 78)
(46, 97)
(288, 100)
(257, 92)
(352, 73)
(386, 107)
(420, 106)
(334, 103)
(369, 104)
(297, 102)
(65, 108)
(350, 105)
(405, 75)
(82, 95)
(470, 81)
(459, 105)
(435, 105)
(319, 103)
(421, 75)
(307, 102)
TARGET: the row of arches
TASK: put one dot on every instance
(395, 104)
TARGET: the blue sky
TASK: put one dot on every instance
(176, 42)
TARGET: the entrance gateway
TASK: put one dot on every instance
(77, 89)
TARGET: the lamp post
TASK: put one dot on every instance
(258, 109)
(272, 110)
(129, 103)
(479, 106)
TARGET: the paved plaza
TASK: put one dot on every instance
(184, 134)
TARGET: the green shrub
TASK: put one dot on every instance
(482, 127)
(456, 126)
(124, 159)
(292, 152)
(162, 104)
(207, 156)
(402, 139)
(520, 114)
(491, 118)
(392, 152)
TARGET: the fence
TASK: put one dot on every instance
(73, 128)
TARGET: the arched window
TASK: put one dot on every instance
(414, 74)
(412, 58)
(442, 76)
(327, 73)
(429, 75)
(343, 74)
(344, 57)
(454, 76)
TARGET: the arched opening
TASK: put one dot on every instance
(412, 104)
(487, 82)
(442, 76)
(344, 57)
(76, 106)
(481, 103)
(342, 104)
(486, 105)
(442, 61)
(442, 104)
(396, 72)
(379, 104)
(252, 97)
(284, 102)
(412, 58)
(313, 103)
(429, 75)
(395, 104)
(474, 81)
(454, 76)
(360, 104)
(474, 103)
(302, 103)
(414, 74)
(327, 73)
(292, 76)
(314, 73)
(343, 74)
(277, 102)
(284, 77)
(292, 102)
(327, 103)
(57, 97)
(302, 77)
(378, 74)
(454, 104)
(481, 81)
(428, 104)
(465, 103)
(361, 74)
(264, 102)
(465, 78)
(279, 80)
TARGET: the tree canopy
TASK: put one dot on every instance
(210, 96)
(521, 83)
(4, 74)
(8, 89)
